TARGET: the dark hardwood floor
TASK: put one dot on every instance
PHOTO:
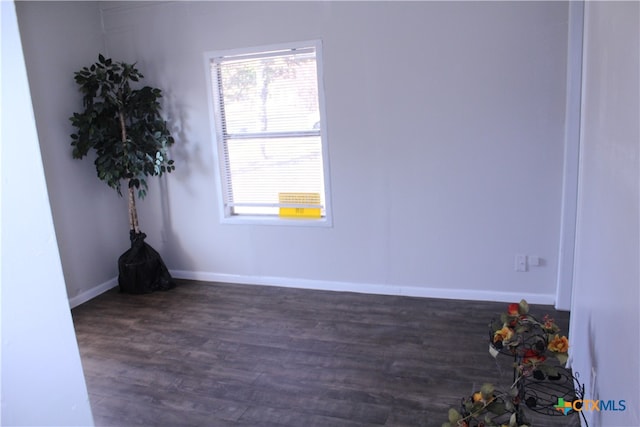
(212, 354)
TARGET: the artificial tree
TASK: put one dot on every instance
(131, 141)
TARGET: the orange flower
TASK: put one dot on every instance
(514, 309)
(559, 344)
(478, 397)
(504, 334)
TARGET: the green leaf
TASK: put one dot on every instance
(468, 405)
(454, 416)
(487, 390)
(497, 407)
(562, 358)
(513, 420)
(509, 406)
(523, 307)
(503, 319)
(551, 371)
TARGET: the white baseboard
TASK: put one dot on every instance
(412, 291)
(93, 292)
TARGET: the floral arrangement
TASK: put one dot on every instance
(488, 408)
(532, 342)
(539, 351)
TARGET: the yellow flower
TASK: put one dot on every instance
(477, 396)
(504, 334)
(559, 344)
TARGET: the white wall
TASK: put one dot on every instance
(90, 219)
(445, 129)
(605, 321)
(42, 380)
(445, 125)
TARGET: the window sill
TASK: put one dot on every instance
(275, 220)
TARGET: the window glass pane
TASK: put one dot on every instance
(274, 94)
(262, 168)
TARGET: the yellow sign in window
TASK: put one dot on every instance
(306, 205)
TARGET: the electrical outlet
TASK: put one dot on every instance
(521, 263)
(533, 261)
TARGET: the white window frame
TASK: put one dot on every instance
(226, 215)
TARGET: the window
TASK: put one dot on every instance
(269, 129)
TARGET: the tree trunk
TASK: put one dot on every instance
(133, 212)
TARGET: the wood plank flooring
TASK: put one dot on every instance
(213, 354)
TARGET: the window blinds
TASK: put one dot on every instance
(270, 129)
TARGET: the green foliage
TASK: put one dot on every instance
(454, 416)
(533, 341)
(488, 407)
(122, 124)
(539, 352)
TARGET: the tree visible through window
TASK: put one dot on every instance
(269, 130)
